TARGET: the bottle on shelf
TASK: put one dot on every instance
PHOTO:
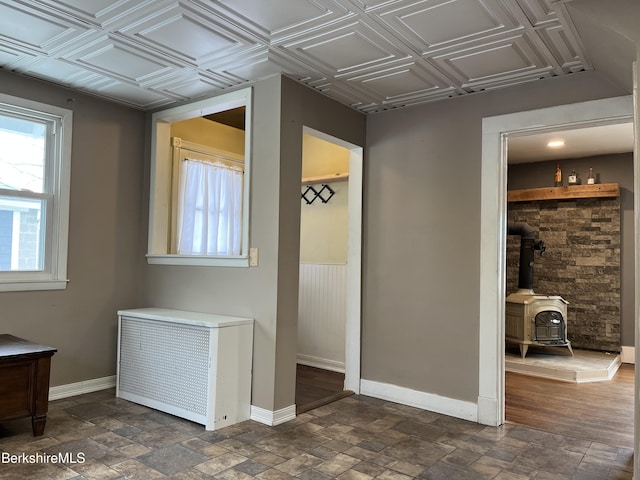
(557, 179)
(591, 179)
(573, 178)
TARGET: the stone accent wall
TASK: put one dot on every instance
(581, 264)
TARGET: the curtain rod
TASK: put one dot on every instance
(217, 164)
(241, 162)
(176, 142)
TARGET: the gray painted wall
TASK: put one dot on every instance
(301, 107)
(609, 169)
(104, 237)
(422, 227)
(268, 293)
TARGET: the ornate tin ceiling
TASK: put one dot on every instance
(371, 54)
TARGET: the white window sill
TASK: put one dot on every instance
(28, 285)
(193, 260)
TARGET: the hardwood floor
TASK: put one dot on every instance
(599, 412)
(316, 387)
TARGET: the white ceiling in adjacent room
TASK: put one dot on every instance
(577, 143)
(370, 54)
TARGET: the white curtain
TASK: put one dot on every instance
(209, 209)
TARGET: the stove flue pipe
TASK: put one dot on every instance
(528, 244)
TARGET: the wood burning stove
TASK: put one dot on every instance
(539, 320)
(532, 319)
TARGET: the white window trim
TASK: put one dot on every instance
(54, 275)
(161, 177)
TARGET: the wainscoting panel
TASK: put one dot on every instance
(322, 316)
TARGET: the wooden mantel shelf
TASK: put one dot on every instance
(565, 193)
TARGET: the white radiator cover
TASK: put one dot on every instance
(193, 365)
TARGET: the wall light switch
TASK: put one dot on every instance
(253, 257)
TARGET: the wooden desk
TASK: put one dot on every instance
(24, 381)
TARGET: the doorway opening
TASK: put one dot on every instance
(586, 228)
(328, 355)
(491, 395)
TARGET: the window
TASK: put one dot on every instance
(199, 202)
(35, 157)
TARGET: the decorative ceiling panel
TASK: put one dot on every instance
(191, 85)
(262, 64)
(100, 13)
(564, 39)
(370, 54)
(188, 34)
(398, 85)
(35, 29)
(430, 26)
(344, 93)
(368, 5)
(276, 21)
(538, 12)
(349, 48)
(58, 71)
(131, 95)
(401, 82)
(114, 58)
(478, 67)
(562, 48)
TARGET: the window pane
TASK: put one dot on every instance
(22, 155)
(21, 234)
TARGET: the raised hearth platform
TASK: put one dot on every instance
(556, 363)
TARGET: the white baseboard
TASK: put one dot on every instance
(318, 362)
(78, 388)
(273, 418)
(423, 400)
(628, 355)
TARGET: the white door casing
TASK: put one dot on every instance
(495, 131)
(354, 260)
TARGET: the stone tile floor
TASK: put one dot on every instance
(356, 438)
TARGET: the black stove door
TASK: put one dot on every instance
(550, 327)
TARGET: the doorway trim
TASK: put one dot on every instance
(493, 216)
(354, 260)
